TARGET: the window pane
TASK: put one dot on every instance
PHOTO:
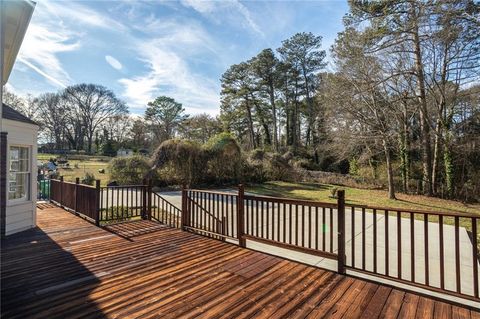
(14, 153)
(18, 186)
(24, 165)
(19, 177)
(14, 166)
(23, 153)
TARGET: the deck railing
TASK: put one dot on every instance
(213, 214)
(113, 204)
(76, 197)
(415, 247)
(165, 212)
(418, 248)
(431, 250)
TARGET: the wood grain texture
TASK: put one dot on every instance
(69, 268)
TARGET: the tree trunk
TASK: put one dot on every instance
(424, 126)
(448, 163)
(250, 123)
(391, 184)
(274, 118)
(436, 155)
(405, 150)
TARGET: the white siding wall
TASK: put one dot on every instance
(22, 216)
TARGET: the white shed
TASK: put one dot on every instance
(19, 152)
(124, 152)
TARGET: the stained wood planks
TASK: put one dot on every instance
(68, 267)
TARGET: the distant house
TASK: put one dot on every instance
(18, 134)
(123, 152)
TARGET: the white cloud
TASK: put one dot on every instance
(40, 48)
(114, 63)
(57, 28)
(165, 54)
(229, 10)
(74, 12)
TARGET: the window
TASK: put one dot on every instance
(19, 175)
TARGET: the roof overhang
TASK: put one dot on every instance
(15, 17)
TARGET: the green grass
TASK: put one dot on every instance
(379, 198)
(322, 192)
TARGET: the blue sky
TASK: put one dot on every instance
(141, 50)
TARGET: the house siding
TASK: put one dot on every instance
(22, 215)
(3, 181)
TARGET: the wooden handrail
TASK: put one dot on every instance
(291, 201)
(416, 211)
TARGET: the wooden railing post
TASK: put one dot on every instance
(61, 191)
(240, 216)
(184, 216)
(341, 231)
(149, 199)
(98, 202)
(77, 181)
(144, 199)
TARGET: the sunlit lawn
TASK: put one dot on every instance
(322, 192)
(78, 168)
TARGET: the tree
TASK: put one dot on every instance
(53, 115)
(24, 105)
(360, 98)
(200, 128)
(139, 137)
(94, 104)
(437, 43)
(302, 53)
(118, 127)
(265, 66)
(237, 96)
(165, 116)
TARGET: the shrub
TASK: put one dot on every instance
(88, 179)
(261, 166)
(179, 161)
(333, 192)
(224, 158)
(129, 170)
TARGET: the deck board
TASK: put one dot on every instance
(69, 268)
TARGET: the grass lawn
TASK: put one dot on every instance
(78, 168)
(322, 192)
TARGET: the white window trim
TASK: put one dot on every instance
(19, 201)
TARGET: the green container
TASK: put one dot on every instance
(44, 189)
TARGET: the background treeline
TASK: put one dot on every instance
(402, 103)
(399, 106)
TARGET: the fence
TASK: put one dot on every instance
(113, 204)
(416, 247)
(79, 198)
(431, 250)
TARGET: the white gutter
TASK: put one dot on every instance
(14, 20)
(2, 46)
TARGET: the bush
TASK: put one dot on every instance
(224, 158)
(261, 166)
(179, 161)
(88, 179)
(129, 170)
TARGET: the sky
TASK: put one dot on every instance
(144, 49)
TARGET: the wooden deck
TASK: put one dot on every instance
(68, 268)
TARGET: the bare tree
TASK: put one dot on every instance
(94, 104)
